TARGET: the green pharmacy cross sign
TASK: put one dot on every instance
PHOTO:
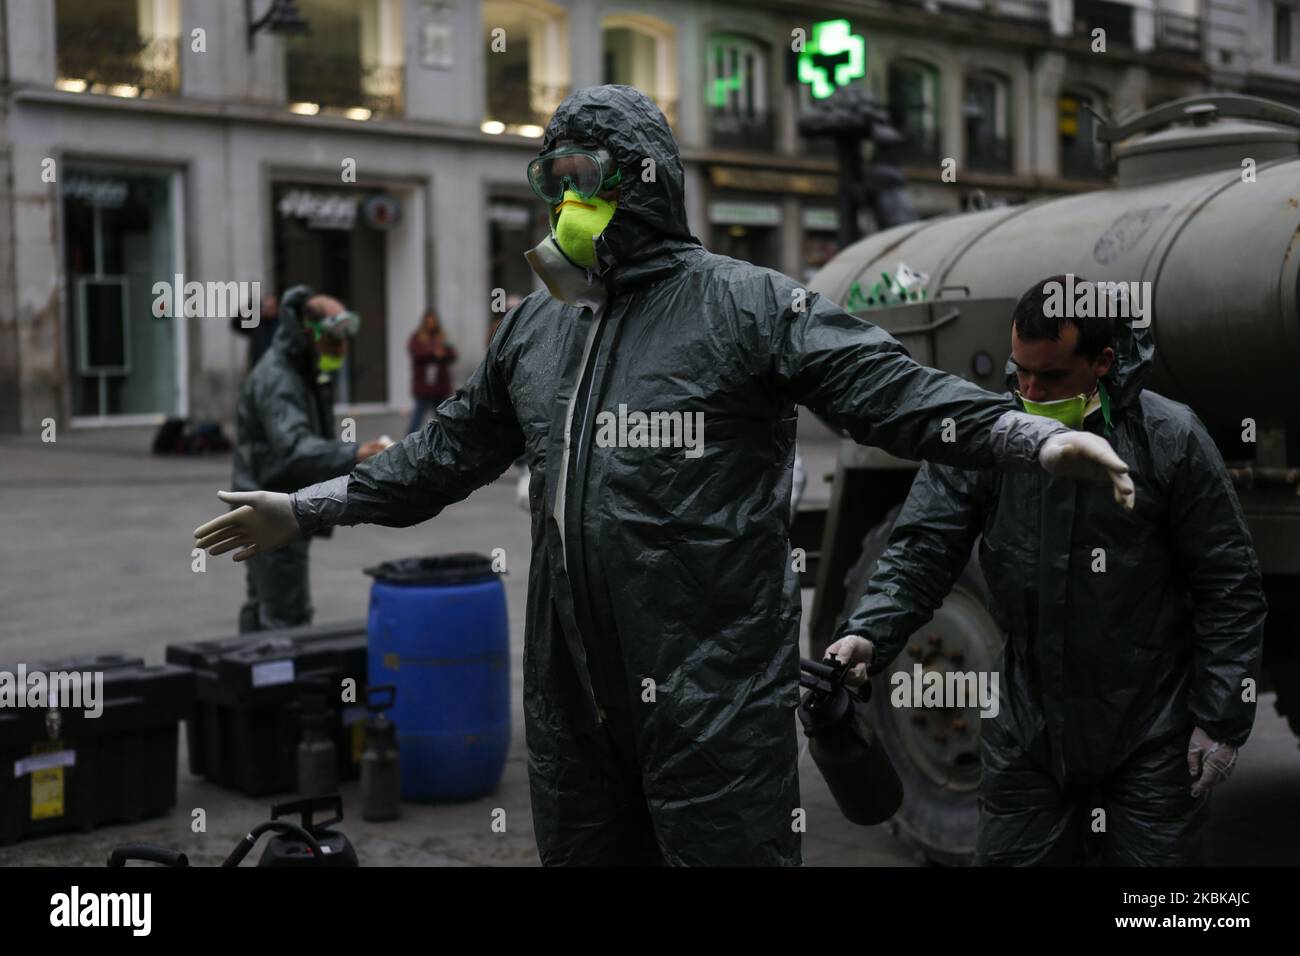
(832, 57)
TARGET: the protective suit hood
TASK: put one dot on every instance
(290, 336)
(650, 223)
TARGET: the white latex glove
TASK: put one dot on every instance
(1208, 762)
(263, 521)
(1085, 455)
(856, 650)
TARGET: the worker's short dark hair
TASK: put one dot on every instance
(1031, 321)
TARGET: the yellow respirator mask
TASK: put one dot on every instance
(576, 224)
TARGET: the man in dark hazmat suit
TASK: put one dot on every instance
(661, 660)
(1132, 638)
(284, 440)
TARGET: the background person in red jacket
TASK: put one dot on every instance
(431, 358)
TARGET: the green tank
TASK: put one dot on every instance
(1205, 214)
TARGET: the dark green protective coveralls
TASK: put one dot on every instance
(1104, 674)
(284, 440)
(676, 566)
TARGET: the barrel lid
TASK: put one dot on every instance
(444, 569)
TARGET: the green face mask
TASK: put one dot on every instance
(578, 224)
(1070, 412)
(329, 363)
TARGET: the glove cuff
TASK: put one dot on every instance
(1018, 437)
(320, 506)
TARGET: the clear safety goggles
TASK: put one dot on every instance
(587, 172)
(344, 325)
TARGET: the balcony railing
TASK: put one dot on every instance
(343, 82)
(733, 131)
(1178, 33)
(990, 154)
(112, 57)
(522, 104)
(1115, 18)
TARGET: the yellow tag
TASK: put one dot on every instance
(47, 785)
(358, 740)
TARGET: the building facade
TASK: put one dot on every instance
(381, 157)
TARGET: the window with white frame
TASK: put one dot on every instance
(527, 64)
(351, 63)
(736, 91)
(641, 51)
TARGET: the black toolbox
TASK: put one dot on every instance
(244, 726)
(62, 770)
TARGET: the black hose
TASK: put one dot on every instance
(279, 826)
(145, 851)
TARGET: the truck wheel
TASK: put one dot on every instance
(936, 751)
(1286, 681)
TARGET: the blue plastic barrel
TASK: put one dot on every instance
(437, 629)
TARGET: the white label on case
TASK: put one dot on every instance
(60, 758)
(272, 672)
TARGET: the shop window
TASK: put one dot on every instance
(1077, 127)
(352, 61)
(640, 51)
(121, 47)
(987, 121)
(747, 229)
(118, 241)
(736, 90)
(914, 109)
(527, 63)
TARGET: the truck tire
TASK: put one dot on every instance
(1286, 681)
(936, 752)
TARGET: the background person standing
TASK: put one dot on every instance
(431, 358)
(285, 437)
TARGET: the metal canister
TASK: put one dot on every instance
(318, 772)
(381, 783)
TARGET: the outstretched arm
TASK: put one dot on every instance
(472, 439)
(859, 377)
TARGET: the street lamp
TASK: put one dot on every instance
(283, 18)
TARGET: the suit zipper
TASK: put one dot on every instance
(575, 563)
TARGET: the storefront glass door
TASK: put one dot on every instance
(120, 235)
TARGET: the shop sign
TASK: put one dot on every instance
(771, 180)
(382, 212)
(96, 190)
(320, 210)
(821, 220)
(510, 215)
(723, 212)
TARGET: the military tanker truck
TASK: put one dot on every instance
(1206, 208)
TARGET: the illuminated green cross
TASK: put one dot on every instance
(832, 40)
